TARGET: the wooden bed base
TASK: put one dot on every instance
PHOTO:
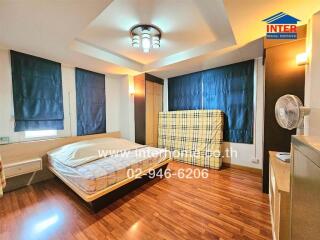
(105, 196)
(116, 194)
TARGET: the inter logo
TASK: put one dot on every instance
(281, 26)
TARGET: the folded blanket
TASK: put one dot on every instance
(80, 153)
(2, 179)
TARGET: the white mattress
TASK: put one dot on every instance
(99, 174)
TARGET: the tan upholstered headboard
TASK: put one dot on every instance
(16, 152)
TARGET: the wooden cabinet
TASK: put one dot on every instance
(148, 103)
(154, 97)
(279, 193)
(305, 185)
(295, 191)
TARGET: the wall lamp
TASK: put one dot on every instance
(302, 59)
(131, 90)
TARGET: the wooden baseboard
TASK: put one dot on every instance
(245, 168)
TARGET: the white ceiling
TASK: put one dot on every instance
(110, 30)
(94, 34)
(189, 29)
(222, 57)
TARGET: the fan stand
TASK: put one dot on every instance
(305, 111)
(285, 156)
(300, 129)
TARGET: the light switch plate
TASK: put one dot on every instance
(4, 140)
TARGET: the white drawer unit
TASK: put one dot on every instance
(27, 166)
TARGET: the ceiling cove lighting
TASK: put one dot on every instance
(145, 36)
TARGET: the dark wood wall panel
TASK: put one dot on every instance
(154, 79)
(282, 76)
(140, 109)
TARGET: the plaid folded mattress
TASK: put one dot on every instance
(2, 179)
(194, 136)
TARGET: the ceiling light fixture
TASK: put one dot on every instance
(146, 36)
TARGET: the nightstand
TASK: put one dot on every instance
(23, 167)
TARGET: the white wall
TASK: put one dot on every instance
(113, 96)
(312, 87)
(165, 95)
(249, 155)
(119, 106)
(6, 107)
(126, 109)
(69, 102)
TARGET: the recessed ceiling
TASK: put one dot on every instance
(181, 29)
(94, 34)
(219, 58)
(189, 29)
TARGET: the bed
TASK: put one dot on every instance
(95, 168)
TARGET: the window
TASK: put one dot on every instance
(40, 134)
(91, 102)
(229, 88)
(37, 93)
(185, 92)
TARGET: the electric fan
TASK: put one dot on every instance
(290, 114)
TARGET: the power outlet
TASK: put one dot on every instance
(255, 160)
(4, 140)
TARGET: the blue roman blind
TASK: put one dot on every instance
(185, 92)
(37, 93)
(229, 88)
(91, 102)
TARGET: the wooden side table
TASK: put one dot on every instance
(23, 167)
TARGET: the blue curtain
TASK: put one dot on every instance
(91, 102)
(37, 93)
(184, 92)
(229, 88)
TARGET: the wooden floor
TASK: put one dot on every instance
(227, 205)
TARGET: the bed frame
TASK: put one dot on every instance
(114, 191)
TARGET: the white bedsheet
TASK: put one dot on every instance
(99, 174)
